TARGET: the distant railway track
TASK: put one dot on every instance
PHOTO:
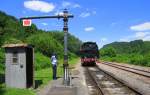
(129, 69)
(107, 84)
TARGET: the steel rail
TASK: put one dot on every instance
(120, 81)
(95, 81)
(127, 67)
(123, 68)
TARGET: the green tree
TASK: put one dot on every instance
(73, 42)
(46, 44)
(109, 51)
(136, 46)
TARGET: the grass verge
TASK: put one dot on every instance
(45, 75)
(134, 59)
(15, 91)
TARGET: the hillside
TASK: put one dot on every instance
(44, 42)
(137, 46)
(134, 52)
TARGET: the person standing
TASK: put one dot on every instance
(54, 66)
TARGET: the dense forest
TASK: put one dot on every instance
(134, 52)
(44, 42)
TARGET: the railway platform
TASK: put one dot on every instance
(77, 87)
(57, 88)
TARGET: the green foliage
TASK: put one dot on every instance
(2, 55)
(136, 46)
(32, 29)
(109, 51)
(11, 30)
(147, 58)
(46, 74)
(120, 47)
(73, 42)
(71, 56)
(41, 61)
(118, 58)
(138, 60)
(135, 52)
(2, 60)
(12, 41)
(46, 44)
(15, 91)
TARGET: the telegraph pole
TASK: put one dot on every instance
(65, 17)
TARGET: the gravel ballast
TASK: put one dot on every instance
(136, 82)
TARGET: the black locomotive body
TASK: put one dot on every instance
(89, 53)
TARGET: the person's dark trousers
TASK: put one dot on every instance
(54, 72)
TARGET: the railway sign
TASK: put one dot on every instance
(27, 22)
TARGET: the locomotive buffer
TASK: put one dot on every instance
(65, 17)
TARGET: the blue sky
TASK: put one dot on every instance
(101, 21)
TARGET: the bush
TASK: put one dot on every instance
(73, 42)
(41, 61)
(2, 60)
(138, 60)
(109, 51)
(147, 57)
(11, 40)
(46, 44)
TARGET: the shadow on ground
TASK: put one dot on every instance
(2, 91)
(2, 81)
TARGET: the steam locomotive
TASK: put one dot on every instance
(89, 53)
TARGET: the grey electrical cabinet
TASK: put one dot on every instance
(19, 65)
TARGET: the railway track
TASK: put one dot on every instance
(107, 84)
(129, 69)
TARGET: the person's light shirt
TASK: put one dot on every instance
(54, 60)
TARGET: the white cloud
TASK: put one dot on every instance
(58, 13)
(38, 5)
(124, 40)
(142, 32)
(66, 4)
(85, 14)
(88, 29)
(45, 24)
(104, 39)
(147, 38)
(141, 35)
(141, 27)
(138, 35)
(76, 6)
